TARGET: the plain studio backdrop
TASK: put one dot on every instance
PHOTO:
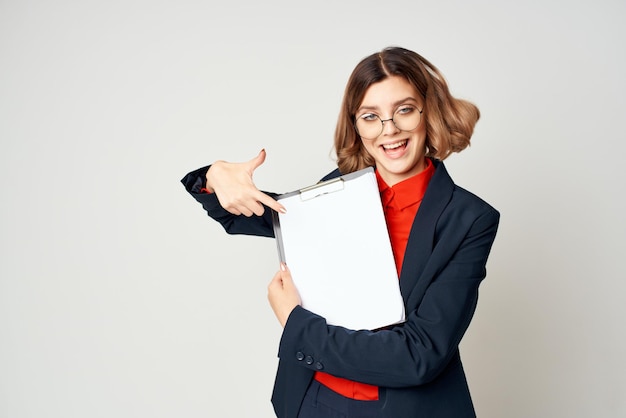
(120, 298)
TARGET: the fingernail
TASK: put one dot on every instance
(283, 266)
(282, 210)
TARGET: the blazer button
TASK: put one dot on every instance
(308, 360)
(319, 365)
(300, 356)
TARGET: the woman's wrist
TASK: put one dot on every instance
(209, 176)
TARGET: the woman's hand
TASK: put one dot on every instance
(282, 294)
(232, 183)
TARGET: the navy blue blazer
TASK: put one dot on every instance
(416, 364)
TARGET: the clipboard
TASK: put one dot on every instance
(334, 239)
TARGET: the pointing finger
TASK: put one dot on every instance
(271, 203)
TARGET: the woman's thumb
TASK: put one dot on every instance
(258, 160)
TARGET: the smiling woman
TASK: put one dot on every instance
(398, 116)
(398, 148)
(448, 121)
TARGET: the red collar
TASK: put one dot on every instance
(408, 192)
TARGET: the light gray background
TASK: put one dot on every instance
(119, 298)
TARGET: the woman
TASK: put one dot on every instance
(398, 116)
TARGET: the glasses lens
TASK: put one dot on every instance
(370, 126)
(407, 118)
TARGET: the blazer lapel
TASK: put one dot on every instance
(421, 238)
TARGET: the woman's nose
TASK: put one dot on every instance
(389, 127)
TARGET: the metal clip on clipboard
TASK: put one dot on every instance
(319, 189)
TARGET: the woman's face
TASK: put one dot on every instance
(398, 154)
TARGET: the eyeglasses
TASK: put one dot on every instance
(370, 125)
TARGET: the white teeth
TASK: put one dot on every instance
(394, 146)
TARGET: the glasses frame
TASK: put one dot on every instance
(382, 124)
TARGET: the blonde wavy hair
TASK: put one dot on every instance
(449, 121)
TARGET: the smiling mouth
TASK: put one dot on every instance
(395, 145)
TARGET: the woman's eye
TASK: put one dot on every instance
(369, 117)
(405, 110)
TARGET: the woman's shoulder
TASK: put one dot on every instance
(466, 208)
(443, 188)
(333, 174)
(470, 201)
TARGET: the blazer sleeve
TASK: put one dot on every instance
(410, 354)
(233, 224)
